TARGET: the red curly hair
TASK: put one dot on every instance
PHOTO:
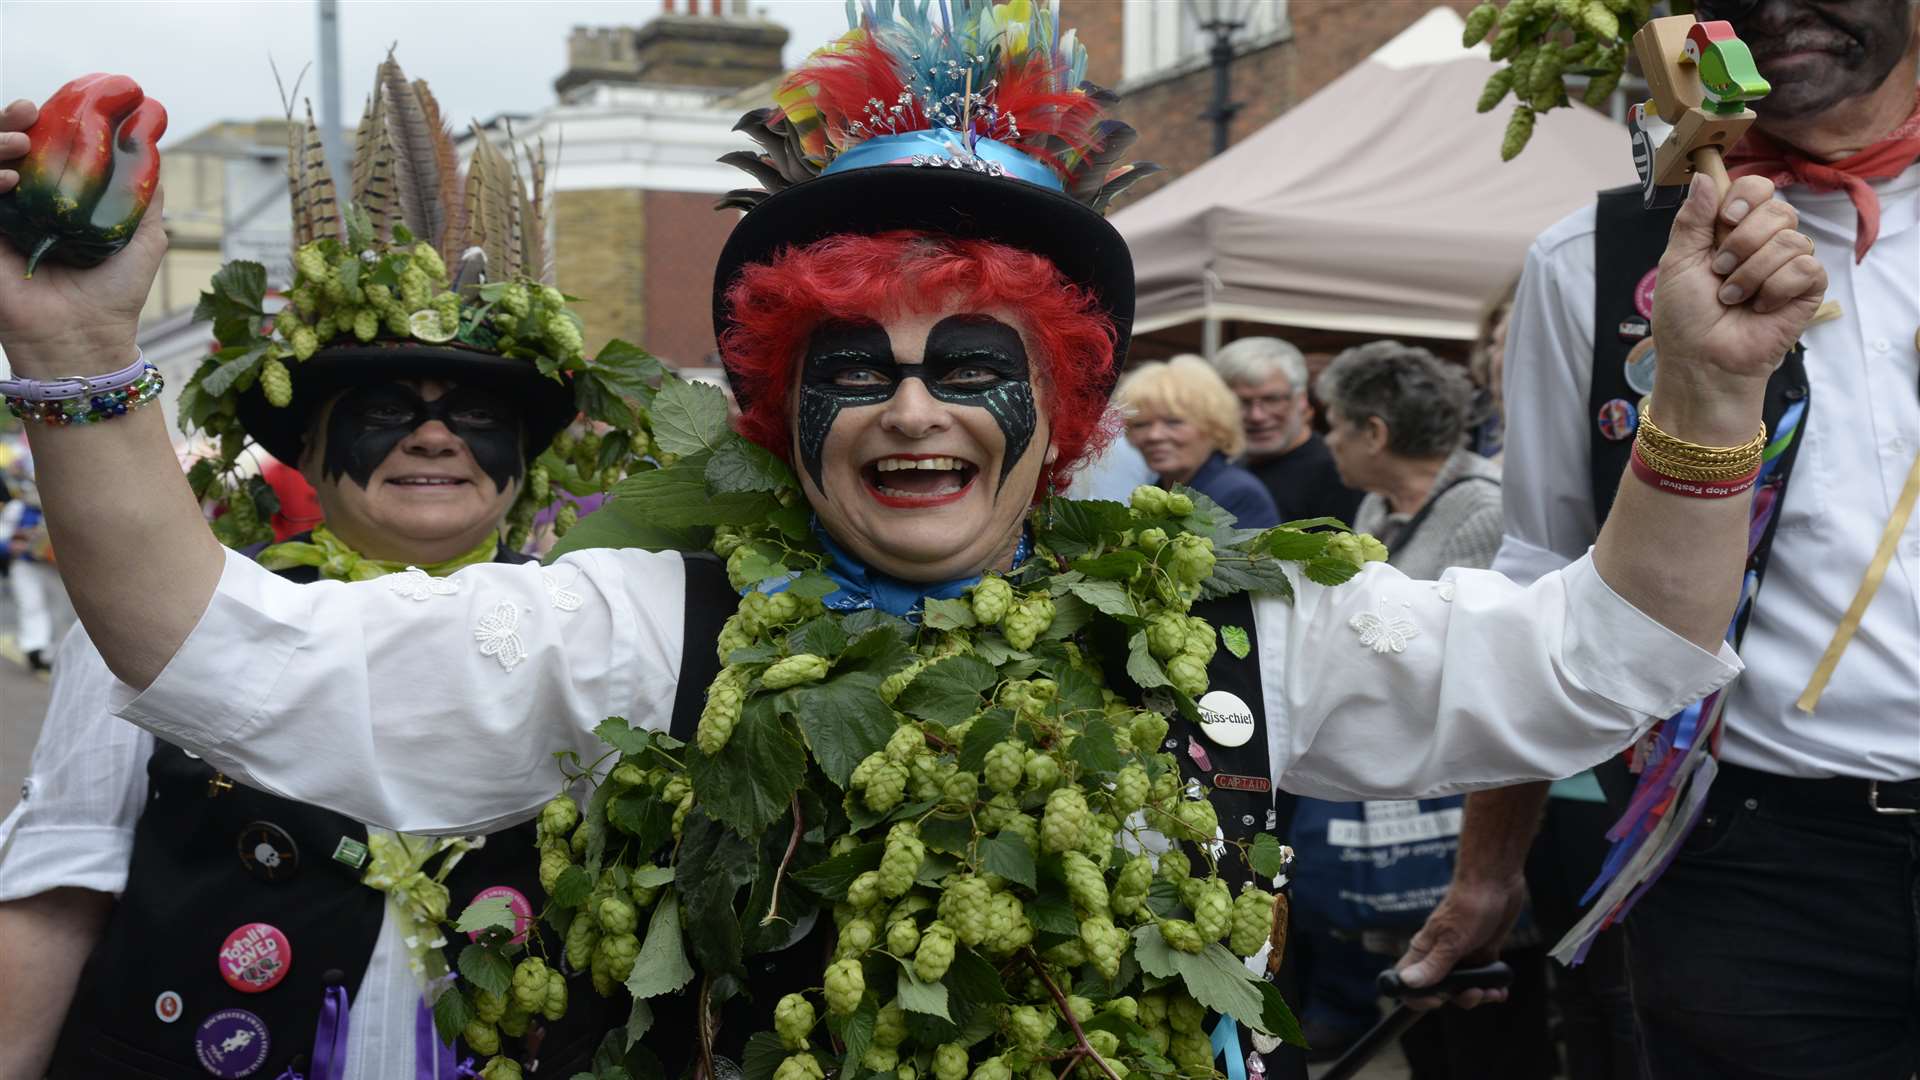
(775, 307)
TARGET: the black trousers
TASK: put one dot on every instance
(1596, 1006)
(1784, 942)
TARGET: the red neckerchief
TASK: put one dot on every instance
(1758, 155)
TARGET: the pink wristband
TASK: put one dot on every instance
(1693, 489)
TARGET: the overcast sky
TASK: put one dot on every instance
(207, 61)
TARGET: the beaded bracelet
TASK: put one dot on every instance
(101, 405)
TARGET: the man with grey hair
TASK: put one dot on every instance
(1269, 376)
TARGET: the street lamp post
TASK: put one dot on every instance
(1221, 19)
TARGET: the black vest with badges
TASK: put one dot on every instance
(1628, 242)
(211, 856)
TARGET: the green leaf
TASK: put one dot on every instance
(1220, 981)
(573, 887)
(1152, 953)
(751, 781)
(1316, 523)
(1330, 571)
(814, 585)
(624, 737)
(820, 636)
(676, 498)
(973, 980)
(996, 651)
(1052, 913)
(1107, 596)
(1236, 574)
(452, 1012)
(856, 1032)
(602, 401)
(242, 284)
(1076, 527)
(595, 822)
(652, 877)
(921, 997)
(1121, 565)
(627, 370)
(616, 525)
(714, 862)
(230, 372)
(830, 877)
(1142, 668)
(738, 465)
(1235, 639)
(639, 1021)
(1070, 615)
(1285, 543)
(481, 914)
(949, 834)
(990, 729)
(613, 448)
(1095, 750)
(763, 1055)
(1276, 1018)
(1267, 857)
(954, 614)
(486, 969)
(844, 720)
(1007, 854)
(642, 815)
(662, 967)
(689, 417)
(879, 646)
(948, 691)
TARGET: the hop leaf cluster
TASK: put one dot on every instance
(1553, 49)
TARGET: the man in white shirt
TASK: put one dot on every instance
(1782, 941)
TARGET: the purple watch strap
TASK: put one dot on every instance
(74, 386)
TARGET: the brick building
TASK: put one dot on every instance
(1154, 55)
(643, 115)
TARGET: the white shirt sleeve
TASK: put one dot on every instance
(86, 787)
(1388, 687)
(1546, 491)
(424, 705)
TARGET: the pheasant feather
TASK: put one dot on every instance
(416, 163)
(317, 204)
(372, 171)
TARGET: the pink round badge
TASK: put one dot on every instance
(255, 958)
(516, 903)
(1643, 294)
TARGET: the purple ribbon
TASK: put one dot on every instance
(433, 1059)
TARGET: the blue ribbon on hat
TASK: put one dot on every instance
(945, 147)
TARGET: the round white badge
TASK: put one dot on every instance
(1224, 719)
(167, 1006)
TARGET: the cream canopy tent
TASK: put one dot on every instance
(1379, 205)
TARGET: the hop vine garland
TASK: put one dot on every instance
(963, 797)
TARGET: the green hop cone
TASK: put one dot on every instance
(366, 324)
(501, 1068)
(1197, 818)
(540, 485)
(1130, 888)
(559, 816)
(276, 382)
(1182, 935)
(1166, 633)
(992, 599)
(1149, 501)
(312, 263)
(488, 1006)
(554, 860)
(563, 337)
(799, 1067)
(1043, 772)
(1192, 1052)
(856, 938)
(517, 1020)
(905, 744)
(1179, 504)
(845, 983)
(890, 1026)
(1479, 21)
(1184, 1013)
(1030, 1026)
(964, 906)
(1148, 730)
(1519, 130)
(582, 935)
(1105, 943)
(1130, 789)
(887, 788)
(1027, 621)
(1213, 910)
(513, 300)
(900, 864)
(1495, 89)
(1252, 921)
(530, 983)
(719, 715)
(794, 670)
(1064, 822)
(880, 1059)
(556, 1004)
(1086, 885)
(1188, 674)
(935, 954)
(616, 915)
(903, 935)
(950, 1062)
(994, 1068)
(793, 1020)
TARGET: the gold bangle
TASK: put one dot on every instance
(1683, 471)
(1655, 442)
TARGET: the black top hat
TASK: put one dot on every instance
(981, 128)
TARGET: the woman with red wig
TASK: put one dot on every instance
(923, 314)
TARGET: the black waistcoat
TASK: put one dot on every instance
(1628, 242)
(188, 888)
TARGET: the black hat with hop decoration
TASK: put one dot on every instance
(980, 126)
(423, 271)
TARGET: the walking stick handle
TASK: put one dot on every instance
(1494, 976)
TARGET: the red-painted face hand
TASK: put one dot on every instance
(921, 439)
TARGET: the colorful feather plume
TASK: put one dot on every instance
(1001, 71)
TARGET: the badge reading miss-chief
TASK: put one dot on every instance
(1224, 719)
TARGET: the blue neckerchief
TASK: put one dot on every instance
(862, 588)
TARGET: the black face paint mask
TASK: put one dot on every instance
(972, 360)
(369, 421)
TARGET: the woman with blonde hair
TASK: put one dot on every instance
(1186, 422)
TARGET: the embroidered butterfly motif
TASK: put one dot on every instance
(1383, 633)
(559, 595)
(498, 635)
(414, 583)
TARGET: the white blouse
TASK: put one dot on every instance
(1381, 687)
